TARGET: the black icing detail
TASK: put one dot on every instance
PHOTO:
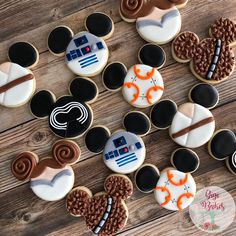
(223, 144)
(42, 103)
(59, 38)
(163, 113)
(23, 53)
(96, 139)
(231, 163)
(99, 24)
(83, 89)
(146, 178)
(137, 123)
(114, 75)
(205, 95)
(152, 55)
(185, 160)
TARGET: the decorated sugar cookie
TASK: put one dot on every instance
(51, 178)
(69, 116)
(105, 213)
(86, 53)
(212, 59)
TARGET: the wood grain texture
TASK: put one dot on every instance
(21, 212)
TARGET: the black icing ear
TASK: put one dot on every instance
(205, 95)
(146, 178)
(185, 160)
(42, 103)
(100, 25)
(231, 163)
(84, 90)
(222, 144)
(163, 113)
(137, 122)
(152, 55)
(58, 40)
(96, 138)
(113, 76)
(24, 54)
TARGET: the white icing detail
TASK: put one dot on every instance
(96, 231)
(105, 216)
(234, 160)
(109, 208)
(102, 223)
(176, 191)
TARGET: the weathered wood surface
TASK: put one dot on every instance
(22, 213)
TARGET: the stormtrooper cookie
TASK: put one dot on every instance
(222, 146)
(192, 125)
(51, 178)
(212, 59)
(86, 53)
(69, 116)
(105, 213)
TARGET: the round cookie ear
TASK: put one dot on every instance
(113, 76)
(23, 165)
(163, 113)
(185, 160)
(58, 40)
(66, 152)
(231, 163)
(96, 138)
(84, 90)
(146, 178)
(184, 46)
(118, 186)
(42, 103)
(225, 30)
(152, 55)
(99, 24)
(222, 144)
(137, 122)
(23, 54)
(77, 201)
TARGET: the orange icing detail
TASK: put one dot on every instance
(155, 89)
(179, 201)
(136, 95)
(181, 181)
(142, 77)
(168, 197)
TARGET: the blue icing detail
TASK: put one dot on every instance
(138, 145)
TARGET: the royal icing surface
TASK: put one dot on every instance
(17, 84)
(175, 190)
(160, 26)
(124, 152)
(192, 125)
(143, 86)
(86, 54)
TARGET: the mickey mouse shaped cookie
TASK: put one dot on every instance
(174, 189)
(51, 178)
(105, 213)
(142, 86)
(86, 53)
(17, 82)
(212, 59)
(157, 21)
(69, 116)
(123, 151)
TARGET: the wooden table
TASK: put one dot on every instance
(21, 212)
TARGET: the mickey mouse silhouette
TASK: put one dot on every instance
(212, 59)
(51, 178)
(104, 213)
(69, 116)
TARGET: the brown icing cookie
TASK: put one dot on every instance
(104, 213)
(212, 59)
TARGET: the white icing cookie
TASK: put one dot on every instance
(17, 84)
(193, 125)
(175, 190)
(161, 26)
(124, 152)
(143, 86)
(86, 54)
